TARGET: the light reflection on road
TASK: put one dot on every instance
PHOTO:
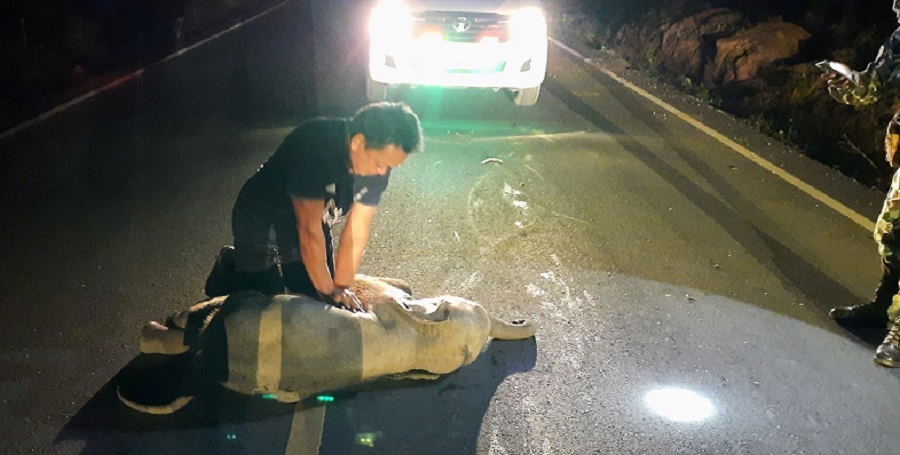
(680, 405)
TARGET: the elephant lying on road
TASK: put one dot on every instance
(292, 347)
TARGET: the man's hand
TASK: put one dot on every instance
(342, 297)
(837, 80)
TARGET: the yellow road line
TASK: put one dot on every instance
(740, 149)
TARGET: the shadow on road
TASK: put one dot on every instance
(425, 417)
(739, 217)
(872, 336)
(383, 417)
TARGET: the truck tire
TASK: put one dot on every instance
(526, 97)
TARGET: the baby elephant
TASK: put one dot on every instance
(292, 347)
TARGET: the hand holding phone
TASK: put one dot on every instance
(839, 69)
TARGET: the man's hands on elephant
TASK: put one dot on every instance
(342, 297)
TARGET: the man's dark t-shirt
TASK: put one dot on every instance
(312, 163)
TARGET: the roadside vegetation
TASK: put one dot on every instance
(756, 60)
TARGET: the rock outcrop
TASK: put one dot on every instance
(765, 71)
(687, 45)
(739, 58)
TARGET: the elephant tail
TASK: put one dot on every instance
(513, 330)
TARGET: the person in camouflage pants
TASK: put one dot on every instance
(857, 88)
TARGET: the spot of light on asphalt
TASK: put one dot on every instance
(680, 405)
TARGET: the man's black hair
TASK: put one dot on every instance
(388, 123)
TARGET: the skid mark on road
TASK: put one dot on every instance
(567, 311)
(540, 176)
(469, 282)
(562, 304)
(534, 291)
(478, 206)
(473, 203)
(512, 195)
(515, 198)
(810, 190)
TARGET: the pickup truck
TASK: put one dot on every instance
(491, 44)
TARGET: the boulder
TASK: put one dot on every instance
(689, 44)
(740, 58)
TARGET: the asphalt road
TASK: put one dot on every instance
(660, 265)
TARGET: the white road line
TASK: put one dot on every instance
(740, 149)
(62, 107)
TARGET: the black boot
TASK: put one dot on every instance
(869, 314)
(873, 313)
(888, 354)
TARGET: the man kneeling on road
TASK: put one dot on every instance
(859, 88)
(326, 170)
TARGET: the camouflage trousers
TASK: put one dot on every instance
(887, 236)
(888, 289)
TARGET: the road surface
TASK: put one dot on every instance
(662, 263)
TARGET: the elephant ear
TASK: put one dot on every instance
(413, 312)
(429, 310)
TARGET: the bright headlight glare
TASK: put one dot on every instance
(430, 38)
(390, 21)
(528, 23)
